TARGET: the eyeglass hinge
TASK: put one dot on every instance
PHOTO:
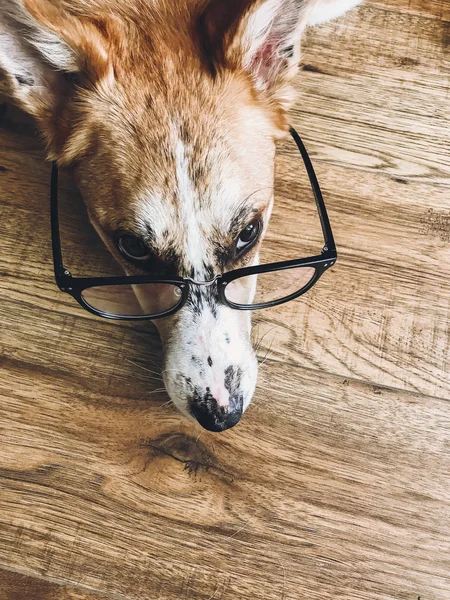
(65, 276)
(64, 273)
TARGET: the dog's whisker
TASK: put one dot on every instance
(149, 361)
(254, 334)
(157, 391)
(200, 435)
(245, 200)
(165, 406)
(157, 379)
(238, 531)
(266, 358)
(142, 367)
(262, 338)
(267, 353)
(166, 403)
(256, 331)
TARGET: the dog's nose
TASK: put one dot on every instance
(218, 419)
(213, 417)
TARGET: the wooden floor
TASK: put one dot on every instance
(336, 485)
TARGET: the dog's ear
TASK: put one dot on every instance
(44, 52)
(261, 37)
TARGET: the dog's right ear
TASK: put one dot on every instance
(43, 52)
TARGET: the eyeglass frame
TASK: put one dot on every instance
(74, 286)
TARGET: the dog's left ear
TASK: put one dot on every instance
(260, 37)
(266, 41)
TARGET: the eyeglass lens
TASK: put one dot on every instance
(133, 300)
(268, 287)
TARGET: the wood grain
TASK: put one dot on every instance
(15, 586)
(152, 510)
(336, 485)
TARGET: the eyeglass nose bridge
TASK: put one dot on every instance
(203, 283)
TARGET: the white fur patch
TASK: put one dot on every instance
(154, 211)
(204, 343)
(224, 339)
(326, 11)
(189, 211)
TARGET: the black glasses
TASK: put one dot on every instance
(149, 297)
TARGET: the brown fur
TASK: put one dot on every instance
(119, 50)
(133, 76)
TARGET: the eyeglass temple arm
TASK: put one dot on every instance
(323, 215)
(60, 271)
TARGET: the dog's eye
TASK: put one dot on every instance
(248, 236)
(132, 247)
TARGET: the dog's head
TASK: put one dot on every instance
(168, 112)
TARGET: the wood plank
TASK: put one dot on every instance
(15, 586)
(128, 498)
(383, 34)
(384, 109)
(438, 9)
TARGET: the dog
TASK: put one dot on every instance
(168, 112)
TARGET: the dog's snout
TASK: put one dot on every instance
(214, 417)
(210, 366)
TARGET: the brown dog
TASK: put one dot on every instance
(160, 107)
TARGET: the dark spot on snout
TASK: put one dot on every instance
(24, 79)
(202, 297)
(210, 362)
(196, 360)
(233, 379)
